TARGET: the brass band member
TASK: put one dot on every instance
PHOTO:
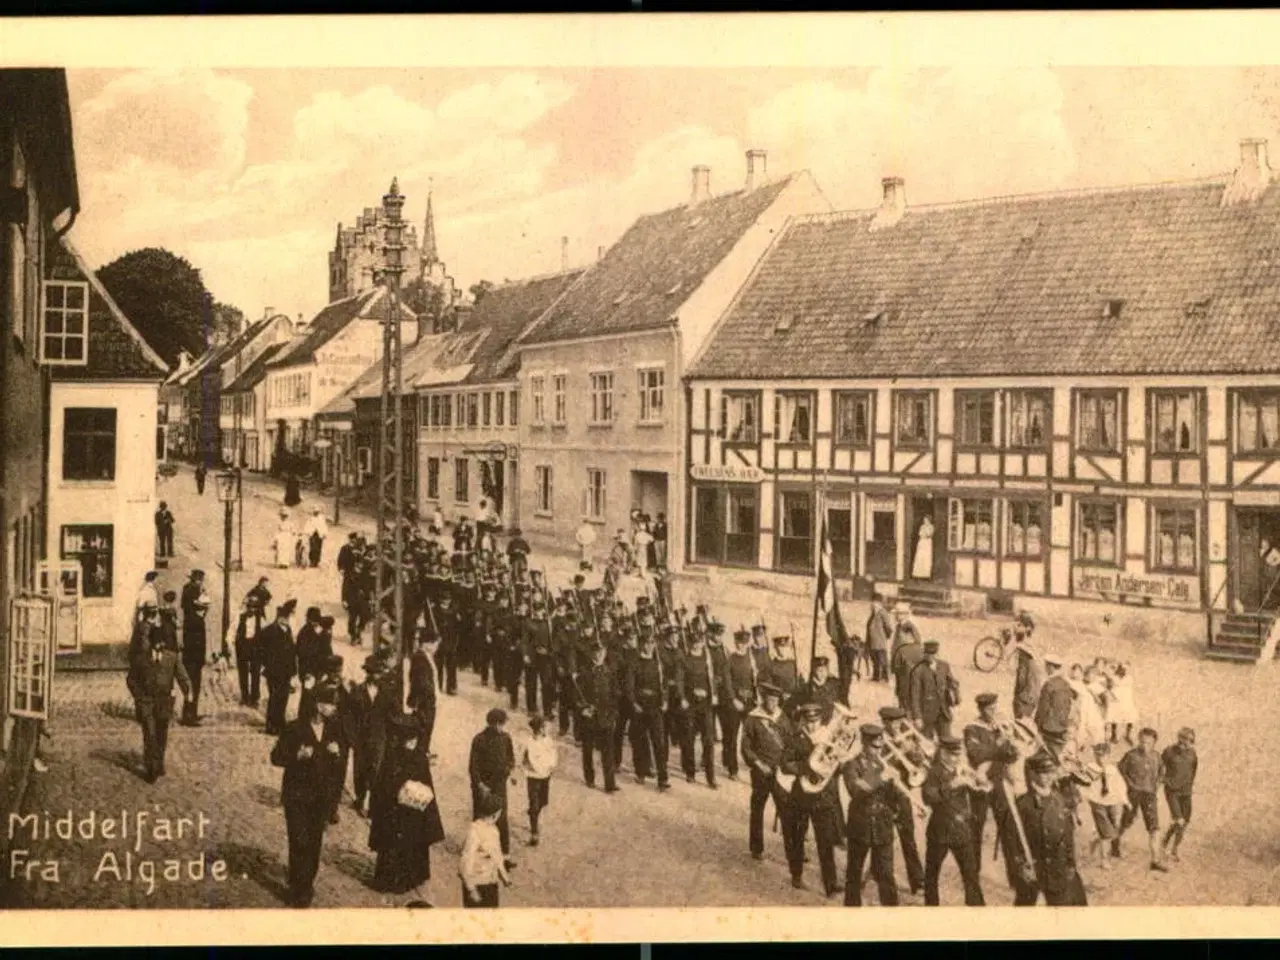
(948, 791)
(820, 808)
(986, 745)
(873, 798)
(1048, 819)
(898, 732)
(765, 734)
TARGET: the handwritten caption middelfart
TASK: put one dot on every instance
(123, 836)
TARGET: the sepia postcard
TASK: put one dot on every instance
(570, 478)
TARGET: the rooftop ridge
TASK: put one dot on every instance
(727, 195)
(538, 277)
(839, 216)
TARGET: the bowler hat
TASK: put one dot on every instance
(892, 713)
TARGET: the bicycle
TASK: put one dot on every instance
(991, 651)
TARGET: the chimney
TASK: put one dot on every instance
(893, 205)
(564, 254)
(701, 185)
(599, 253)
(1252, 177)
(757, 168)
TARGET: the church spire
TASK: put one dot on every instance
(430, 256)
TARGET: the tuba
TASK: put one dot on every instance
(837, 744)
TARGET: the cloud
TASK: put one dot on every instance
(951, 134)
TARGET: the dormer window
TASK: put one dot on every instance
(1111, 309)
(64, 340)
(875, 318)
(1198, 309)
(782, 324)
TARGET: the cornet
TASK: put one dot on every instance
(915, 773)
(922, 743)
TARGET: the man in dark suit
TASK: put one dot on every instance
(906, 656)
(879, 634)
(279, 656)
(253, 617)
(932, 694)
(372, 703)
(1048, 819)
(195, 604)
(948, 794)
(154, 665)
(600, 683)
(493, 758)
(1055, 710)
(422, 692)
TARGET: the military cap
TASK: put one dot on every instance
(742, 636)
(326, 693)
(950, 744)
(809, 711)
(768, 689)
(891, 712)
(197, 573)
(870, 731)
(781, 641)
(931, 646)
(1052, 659)
(821, 662)
(313, 614)
(715, 627)
(1042, 762)
(150, 607)
(372, 664)
(986, 699)
(671, 629)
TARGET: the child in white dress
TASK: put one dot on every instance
(1122, 708)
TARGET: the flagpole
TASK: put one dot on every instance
(817, 593)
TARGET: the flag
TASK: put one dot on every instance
(828, 603)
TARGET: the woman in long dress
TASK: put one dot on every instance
(922, 565)
(403, 828)
(285, 542)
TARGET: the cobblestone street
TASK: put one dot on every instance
(687, 847)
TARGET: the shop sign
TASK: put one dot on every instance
(1110, 584)
(728, 473)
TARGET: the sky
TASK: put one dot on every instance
(248, 172)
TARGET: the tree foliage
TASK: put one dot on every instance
(479, 289)
(165, 298)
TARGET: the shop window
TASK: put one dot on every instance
(1026, 526)
(795, 538)
(1258, 421)
(89, 443)
(1098, 421)
(1175, 421)
(31, 655)
(1098, 531)
(740, 418)
(461, 480)
(93, 547)
(542, 489)
(970, 526)
(975, 418)
(853, 419)
(795, 418)
(742, 532)
(1173, 547)
(1030, 413)
(913, 419)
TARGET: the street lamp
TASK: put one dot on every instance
(227, 485)
(239, 472)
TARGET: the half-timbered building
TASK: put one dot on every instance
(1016, 401)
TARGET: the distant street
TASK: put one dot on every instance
(687, 847)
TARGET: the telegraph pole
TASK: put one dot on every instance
(389, 616)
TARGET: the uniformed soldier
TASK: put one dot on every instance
(948, 792)
(766, 732)
(154, 665)
(701, 698)
(598, 683)
(673, 669)
(626, 646)
(782, 668)
(987, 746)
(819, 806)
(873, 786)
(741, 679)
(448, 620)
(539, 668)
(1048, 819)
(511, 650)
(564, 642)
(896, 727)
(646, 690)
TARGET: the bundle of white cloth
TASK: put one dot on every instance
(416, 795)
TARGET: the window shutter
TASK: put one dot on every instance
(777, 417)
(724, 416)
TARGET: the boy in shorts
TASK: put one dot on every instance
(1106, 796)
(1141, 769)
(1180, 763)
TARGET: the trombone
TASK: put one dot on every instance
(928, 749)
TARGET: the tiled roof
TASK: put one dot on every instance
(332, 320)
(256, 372)
(503, 312)
(116, 350)
(646, 276)
(1016, 286)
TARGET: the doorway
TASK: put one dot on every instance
(709, 525)
(882, 538)
(840, 533)
(1258, 563)
(649, 493)
(927, 539)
